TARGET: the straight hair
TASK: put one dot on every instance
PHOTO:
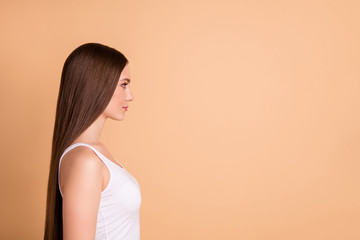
(88, 81)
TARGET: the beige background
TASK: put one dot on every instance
(245, 123)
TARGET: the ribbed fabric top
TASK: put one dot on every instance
(118, 214)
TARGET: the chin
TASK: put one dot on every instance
(114, 115)
(119, 117)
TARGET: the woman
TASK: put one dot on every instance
(90, 194)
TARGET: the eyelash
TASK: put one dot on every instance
(124, 83)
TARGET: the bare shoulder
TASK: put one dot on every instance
(80, 165)
(79, 157)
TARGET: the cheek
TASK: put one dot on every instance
(116, 102)
(113, 109)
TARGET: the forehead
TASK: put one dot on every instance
(125, 72)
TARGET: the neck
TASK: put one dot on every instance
(92, 134)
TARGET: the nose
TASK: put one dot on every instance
(129, 96)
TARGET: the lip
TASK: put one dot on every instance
(125, 108)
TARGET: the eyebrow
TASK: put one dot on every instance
(125, 79)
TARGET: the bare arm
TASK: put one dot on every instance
(81, 179)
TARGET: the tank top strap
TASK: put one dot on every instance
(83, 144)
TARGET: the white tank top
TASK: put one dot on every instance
(118, 214)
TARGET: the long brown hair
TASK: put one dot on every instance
(88, 81)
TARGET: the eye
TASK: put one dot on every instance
(124, 84)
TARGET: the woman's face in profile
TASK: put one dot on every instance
(122, 96)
